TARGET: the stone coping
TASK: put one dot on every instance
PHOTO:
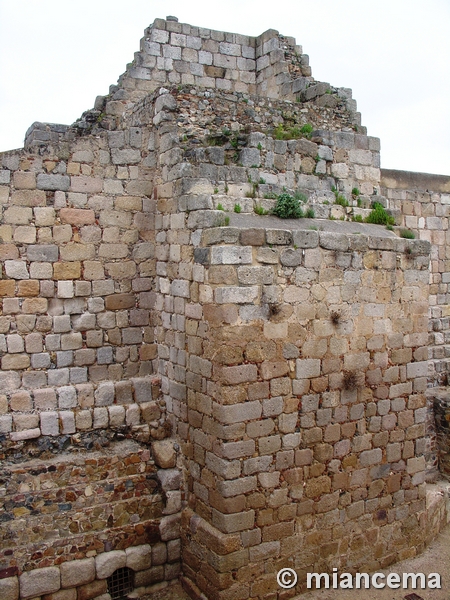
(344, 227)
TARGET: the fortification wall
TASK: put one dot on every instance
(270, 377)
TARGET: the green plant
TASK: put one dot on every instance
(407, 234)
(226, 131)
(216, 190)
(312, 227)
(270, 196)
(357, 218)
(310, 214)
(341, 200)
(252, 193)
(326, 202)
(220, 207)
(259, 146)
(306, 130)
(331, 218)
(227, 221)
(300, 197)
(355, 192)
(287, 207)
(259, 210)
(262, 181)
(282, 132)
(378, 215)
(226, 188)
(237, 208)
(389, 227)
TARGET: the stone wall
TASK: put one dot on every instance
(315, 421)
(421, 203)
(77, 517)
(267, 378)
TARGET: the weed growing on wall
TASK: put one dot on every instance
(379, 216)
(288, 207)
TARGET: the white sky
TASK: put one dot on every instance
(56, 56)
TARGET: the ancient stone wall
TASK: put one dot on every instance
(268, 376)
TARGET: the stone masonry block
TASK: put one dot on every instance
(108, 562)
(279, 236)
(9, 588)
(233, 522)
(39, 581)
(231, 255)
(250, 157)
(308, 367)
(53, 182)
(77, 572)
(50, 423)
(139, 558)
(236, 295)
(237, 413)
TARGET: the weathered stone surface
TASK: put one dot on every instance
(9, 588)
(108, 562)
(53, 182)
(77, 572)
(39, 581)
(139, 558)
(164, 454)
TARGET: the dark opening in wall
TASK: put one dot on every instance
(120, 583)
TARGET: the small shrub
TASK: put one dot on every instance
(220, 207)
(355, 192)
(389, 227)
(350, 380)
(407, 234)
(270, 196)
(285, 132)
(357, 218)
(335, 317)
(259, 146)
(227, 221)
(287, 207)
(306, 130)
(274, 309)
(341, 200)
(312, 227)
(216, 190)
(310, 214)
(379, 216)
(252, 192)
(262, 181)
(237, 208)
(226, 189)
(259, 210)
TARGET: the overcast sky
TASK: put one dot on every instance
(57, 56)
